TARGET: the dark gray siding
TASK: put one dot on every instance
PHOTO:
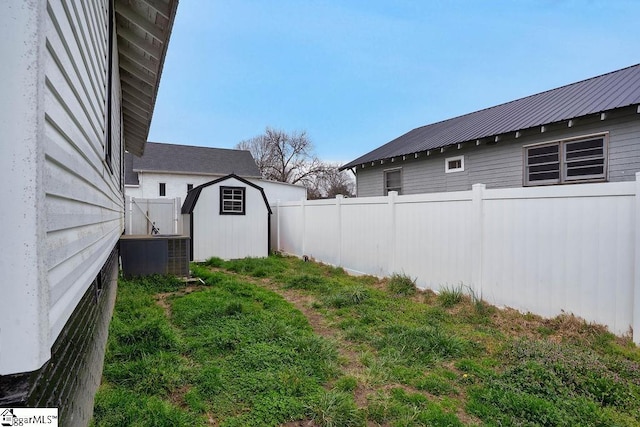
(501, 165)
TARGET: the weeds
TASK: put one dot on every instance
(401, 285)
(232, 353)
(450, 296)
(335, 409)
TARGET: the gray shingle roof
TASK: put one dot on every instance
(595, 95)
(159, 157)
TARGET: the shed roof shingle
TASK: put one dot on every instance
(598, 94)
(160, 157)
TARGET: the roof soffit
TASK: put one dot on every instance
(143, 28)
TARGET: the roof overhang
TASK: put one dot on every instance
(143, 28)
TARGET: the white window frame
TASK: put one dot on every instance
(449, 169)
(563, 177)
(384, 183)
(237, 196)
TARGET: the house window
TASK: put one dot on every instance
(454, 164)
(189, 187)
(163, 189)
(562, 162)
(232, 200)
(393, 181)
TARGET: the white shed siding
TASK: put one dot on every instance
(229, 236)
(83, 201)
(501, 165)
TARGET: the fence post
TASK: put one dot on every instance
(477, 233)
(176, 206)
(636, 283)
(130, 208)
(339, 198)
(303, 204)
(278, 225)
(391, 268)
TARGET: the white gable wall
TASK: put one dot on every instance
(229, 236)
(176, 186)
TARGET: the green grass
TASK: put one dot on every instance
(234, 352)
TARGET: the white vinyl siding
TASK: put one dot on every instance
(83, 200)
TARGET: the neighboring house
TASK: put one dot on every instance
(170, 170)
(229, 218)
(584, 132)
(79, 83)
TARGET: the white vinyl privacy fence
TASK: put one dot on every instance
(572, 248)
(153, 216)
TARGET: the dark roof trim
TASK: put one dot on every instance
(607, 92)
(193, 195)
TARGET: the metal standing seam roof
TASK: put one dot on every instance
(143, 28)
(595, 95)
(173, 158)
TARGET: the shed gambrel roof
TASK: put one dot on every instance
(616, 89)
(172, 158)
(193, 195)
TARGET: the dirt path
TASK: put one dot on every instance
(349, 354)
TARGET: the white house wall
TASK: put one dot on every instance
(24, 332)
(229, 236)
(83, 200)
(282, 191)
(69, 201)
(501, 165)
(176, 186)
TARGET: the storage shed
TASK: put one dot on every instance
(228, 218)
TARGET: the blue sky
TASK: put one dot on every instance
(357, 74)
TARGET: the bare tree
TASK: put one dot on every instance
(284, 157)
(337, 182)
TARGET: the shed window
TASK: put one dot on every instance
(163, 189)
(393, 181)
(454, 164)
(232, 200)
(561, 162)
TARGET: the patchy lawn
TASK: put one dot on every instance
(279, 341)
